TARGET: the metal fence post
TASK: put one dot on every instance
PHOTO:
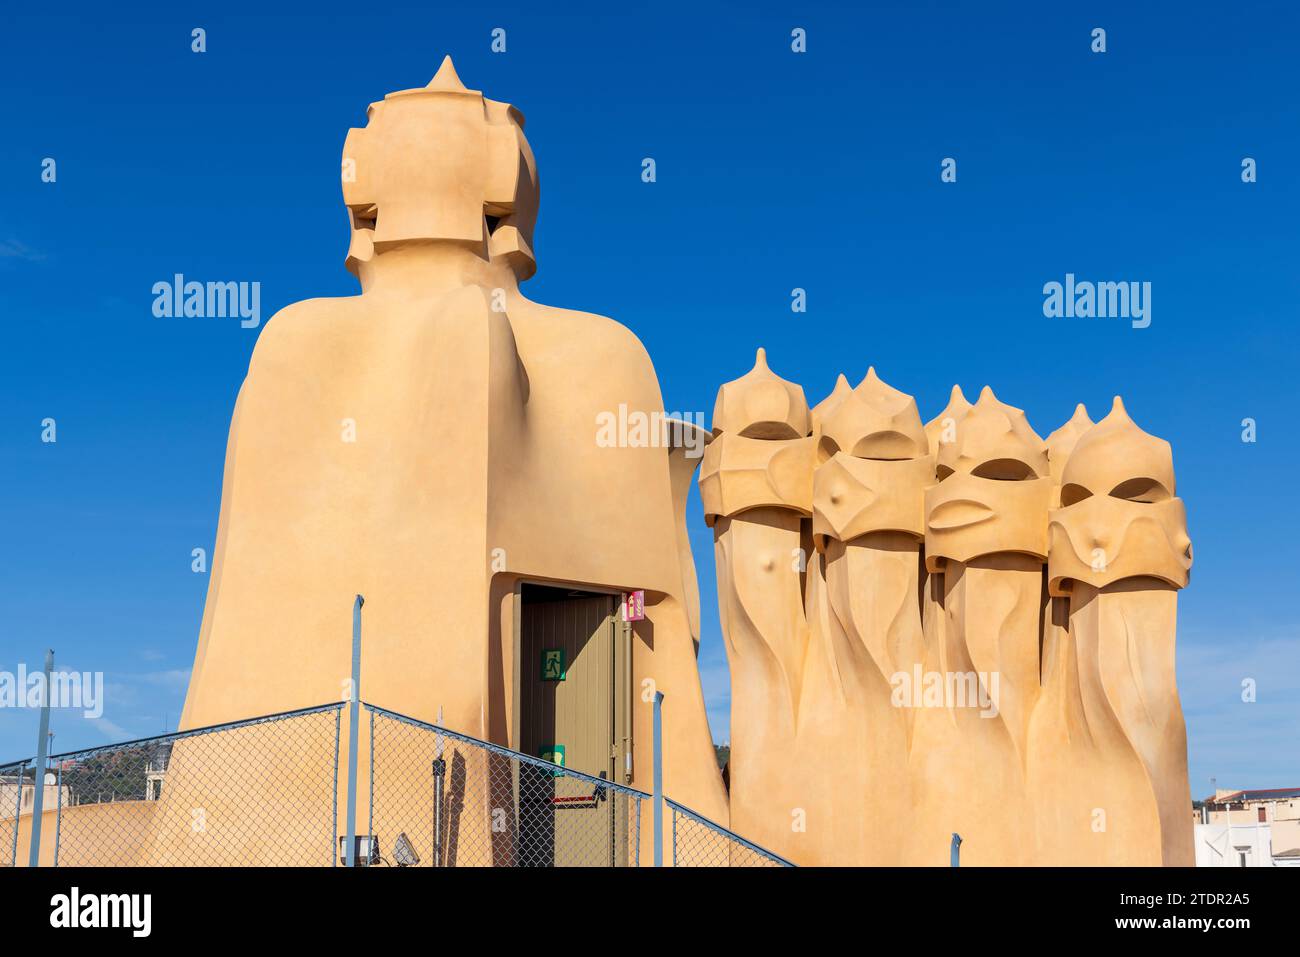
(956, 850)
(38, 780)
(334, 796)
(659, 778)
(58, 814)
(439, 777)
(370, 802)
(354, 733)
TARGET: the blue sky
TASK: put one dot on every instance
(775, 171)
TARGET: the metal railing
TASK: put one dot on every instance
(268, 791)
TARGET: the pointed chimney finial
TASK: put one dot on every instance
(446, 80)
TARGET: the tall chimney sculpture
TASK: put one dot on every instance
(435, 443)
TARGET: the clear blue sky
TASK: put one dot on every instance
(775, 170)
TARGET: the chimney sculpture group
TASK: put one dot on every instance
(947, 627)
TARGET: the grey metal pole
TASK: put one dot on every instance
(334, 796)
(58, 814)
(370, 801)
(439, 775)
(956, 850)
(354, 733)
(659, 778)
(38, 781)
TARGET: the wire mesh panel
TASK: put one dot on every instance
(698, 842)
(257, 792)
(441, 799)
(266, 791)
(13, 780)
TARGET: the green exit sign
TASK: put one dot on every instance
(553, 753)
(553, 665)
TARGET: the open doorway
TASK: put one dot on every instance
(574, 687)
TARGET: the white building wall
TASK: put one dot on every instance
(1222, 845)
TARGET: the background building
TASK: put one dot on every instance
(1253, 828)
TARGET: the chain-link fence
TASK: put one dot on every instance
(442, 799)
(256, 792)
(271, 791)
(698, 842)
(14, 790)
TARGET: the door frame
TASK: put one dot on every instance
(622, 718)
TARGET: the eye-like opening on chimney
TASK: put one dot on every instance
(1005, 470)
(1072, 493)
(1142, 490)
(365, 217)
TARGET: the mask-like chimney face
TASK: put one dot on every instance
(873, 421)
(1119, 517)
(993, 490)
(441, 163)
(873, 462)
(761, 455)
